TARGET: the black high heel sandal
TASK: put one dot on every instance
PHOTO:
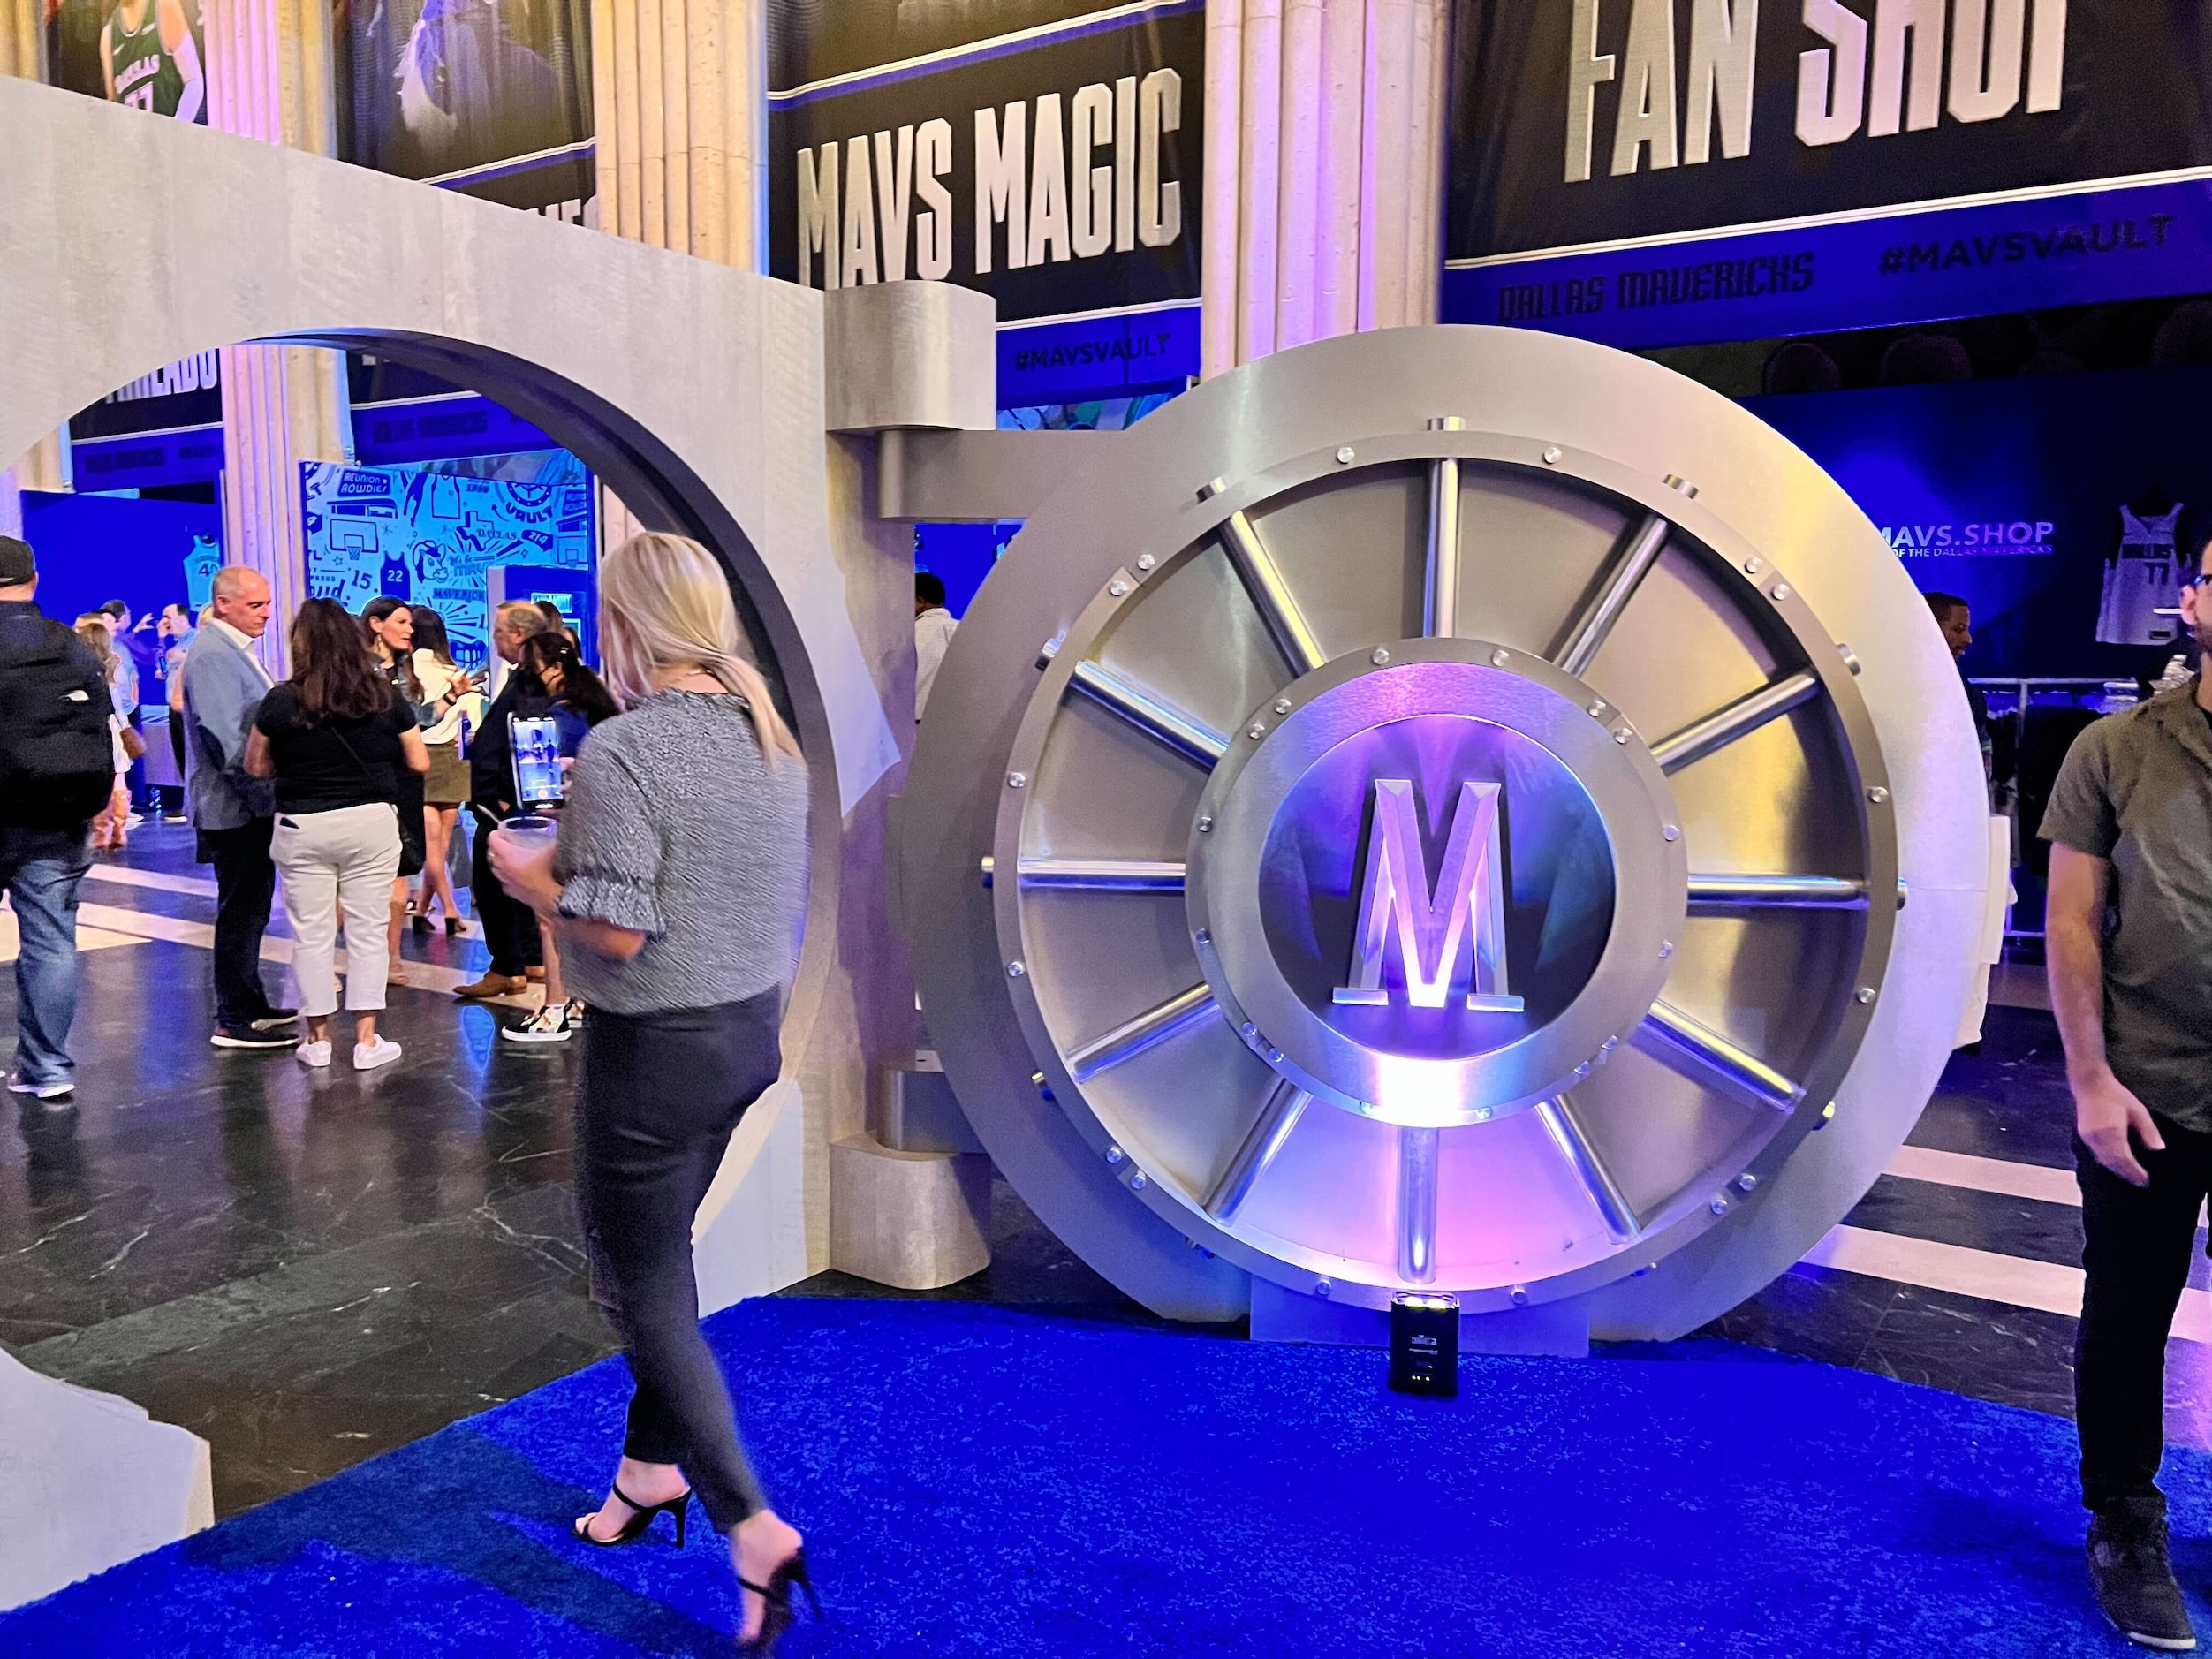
(640, 1518)
(775, 1617)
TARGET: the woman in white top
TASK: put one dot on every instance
(449, 694)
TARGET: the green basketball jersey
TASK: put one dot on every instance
(145, 76)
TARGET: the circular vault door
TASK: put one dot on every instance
(1443, 857)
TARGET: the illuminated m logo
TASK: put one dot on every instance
(1432, 933)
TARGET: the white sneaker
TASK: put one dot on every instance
(44, 1091)
(368, 1055)
(315, 1054)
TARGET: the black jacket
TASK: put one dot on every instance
(57, 757)
(490, 766)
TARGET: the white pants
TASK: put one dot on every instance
(332, 861)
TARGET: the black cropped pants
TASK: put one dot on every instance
(662, 1094)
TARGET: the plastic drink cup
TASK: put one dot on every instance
(532, 833)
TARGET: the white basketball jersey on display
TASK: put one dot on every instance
(2142, 583)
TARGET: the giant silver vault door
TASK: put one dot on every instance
(1408, 838)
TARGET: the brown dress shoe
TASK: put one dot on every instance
(492, 985)
(535, 975)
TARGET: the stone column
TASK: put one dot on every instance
(1324, 169)
(46, 467)
(270, 77)
(21, 40)
(681, 108)
(282, 404)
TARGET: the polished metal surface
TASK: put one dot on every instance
(1178, 731)
(1262, 562)
(1752, 892)
(1612, 594)
(1271, 594)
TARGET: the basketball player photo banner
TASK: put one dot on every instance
(149, 54)
(489, 97)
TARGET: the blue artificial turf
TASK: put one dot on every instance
(979, 1480)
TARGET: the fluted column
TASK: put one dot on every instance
(46, 466)
(270, 77)
(21, 39)
(281, 405)
(680, 101)
(1324, 169)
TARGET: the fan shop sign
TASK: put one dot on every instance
(1655, 172)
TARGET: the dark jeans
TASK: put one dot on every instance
(510, 928)
(38, 871)
(661, 1093)
(245, 886)
(2136, 1256)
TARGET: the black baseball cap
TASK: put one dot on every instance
(17, 566)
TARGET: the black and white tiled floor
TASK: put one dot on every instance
(310, 1269)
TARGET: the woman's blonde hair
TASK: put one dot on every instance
(664, 606)
(96, 629)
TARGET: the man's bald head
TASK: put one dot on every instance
(242, 597)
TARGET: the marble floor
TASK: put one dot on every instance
(309, 1268)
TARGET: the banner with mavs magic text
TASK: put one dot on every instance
(1655, 172)
(1045, 151)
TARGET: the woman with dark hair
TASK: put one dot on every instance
(581, 702)
(391, 624)
(554, 619)
(451, 699)
(338, 743)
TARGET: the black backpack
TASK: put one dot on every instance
(57, 755)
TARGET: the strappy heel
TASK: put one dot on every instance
(776, 1615)
(640, 1518)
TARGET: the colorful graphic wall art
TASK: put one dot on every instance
(433, 538)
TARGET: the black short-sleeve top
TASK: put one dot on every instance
(326, 764)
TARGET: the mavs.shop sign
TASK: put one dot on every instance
(1647, 171)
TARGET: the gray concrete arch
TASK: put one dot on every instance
(693, 390)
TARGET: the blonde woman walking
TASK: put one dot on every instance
(677, 890)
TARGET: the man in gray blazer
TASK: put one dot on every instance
(224, 683)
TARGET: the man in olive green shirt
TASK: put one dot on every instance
(2129, 942)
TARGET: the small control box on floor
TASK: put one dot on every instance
(1424, 1343)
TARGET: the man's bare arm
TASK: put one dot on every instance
(2105, 1110)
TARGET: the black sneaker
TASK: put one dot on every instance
(253, 1037)
(2133, 1579)
(275, 1017)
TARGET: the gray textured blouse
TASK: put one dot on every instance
(677, 827)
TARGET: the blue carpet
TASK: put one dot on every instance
(977, 1480)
